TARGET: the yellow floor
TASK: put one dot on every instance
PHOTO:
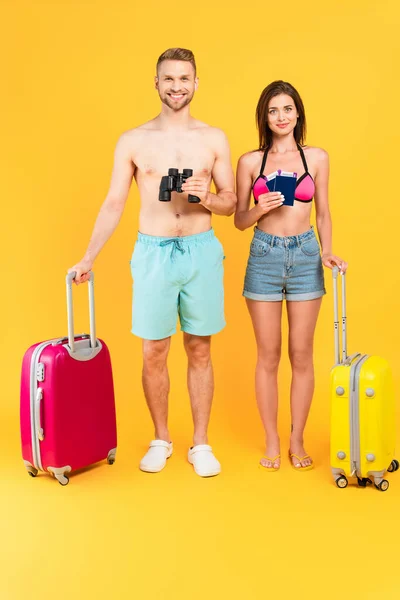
(117, 533)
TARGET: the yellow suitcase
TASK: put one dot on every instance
(362, 411)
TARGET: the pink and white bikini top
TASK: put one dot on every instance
(305, 187)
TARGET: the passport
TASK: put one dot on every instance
(285, 182)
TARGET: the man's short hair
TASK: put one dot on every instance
(178, 54)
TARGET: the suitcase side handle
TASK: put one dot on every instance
(335, 274)
(70, 312)
(38, 409)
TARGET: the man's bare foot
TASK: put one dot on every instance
(272, 458)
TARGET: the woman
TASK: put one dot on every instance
(285, 260)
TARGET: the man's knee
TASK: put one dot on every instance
(198, 349)
(155, 353)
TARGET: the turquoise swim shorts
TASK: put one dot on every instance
(178, 276)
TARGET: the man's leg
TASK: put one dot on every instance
(154, 315)
(155, 381)
(201, 313)
(201, 389)
(156, 388)
(200, 379)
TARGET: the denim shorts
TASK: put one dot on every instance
(177, 277)
(284, 268)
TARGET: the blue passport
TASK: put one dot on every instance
(285, 182)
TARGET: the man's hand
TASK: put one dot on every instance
(82, 269)
(197, 186)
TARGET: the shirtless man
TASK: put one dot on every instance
(177, 263)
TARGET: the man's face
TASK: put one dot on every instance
(176, 83)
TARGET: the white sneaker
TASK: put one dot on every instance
(155, 458)
(203, 460)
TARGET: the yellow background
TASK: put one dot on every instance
(74, 76)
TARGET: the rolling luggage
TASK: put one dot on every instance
(67, 407)
(362, 411)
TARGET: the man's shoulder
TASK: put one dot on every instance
(215, 136)
(210, 129)
(133, 138)
(138, 131)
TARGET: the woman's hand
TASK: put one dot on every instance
(269, 201)
(330, 261)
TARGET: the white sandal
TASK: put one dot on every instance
(155, 458)
(203, 460)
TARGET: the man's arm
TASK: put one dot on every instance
(224, 201)
(112, 208)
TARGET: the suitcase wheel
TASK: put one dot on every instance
(383, 485)
(62, 479)
(111, 456)
(342, 482)
(32, 472)
(363, 482)
(394, 466)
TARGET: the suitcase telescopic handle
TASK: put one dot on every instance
(70, 312)
(335, 273)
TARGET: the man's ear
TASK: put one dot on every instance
(156, 82)
(196, 83)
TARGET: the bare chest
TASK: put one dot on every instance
(161, 152)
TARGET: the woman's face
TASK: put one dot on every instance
(282, 115)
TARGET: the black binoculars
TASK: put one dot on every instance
(173, 183)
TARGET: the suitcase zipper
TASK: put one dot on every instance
(34, 398)
(355, 457)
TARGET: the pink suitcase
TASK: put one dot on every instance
(67, 401)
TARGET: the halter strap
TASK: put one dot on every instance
(303, 159)
(264, 160)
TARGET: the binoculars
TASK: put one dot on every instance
(173, 183)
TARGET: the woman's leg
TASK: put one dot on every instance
(266, 318)
(302, 318)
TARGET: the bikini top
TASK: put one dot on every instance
(305, 187)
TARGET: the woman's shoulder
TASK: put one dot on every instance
(250, 159)
(315, 153)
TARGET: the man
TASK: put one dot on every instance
(177, 263)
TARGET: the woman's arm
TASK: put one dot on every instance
(244, 217)
(323, 215)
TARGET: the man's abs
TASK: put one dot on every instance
(173, 219)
